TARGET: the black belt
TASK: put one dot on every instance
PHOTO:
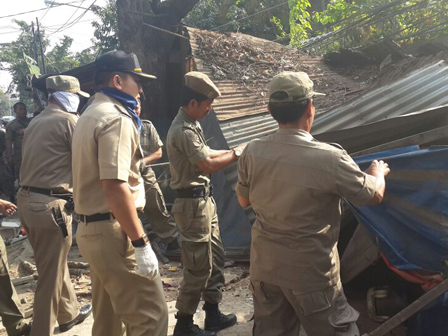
(49, 192)
(194, 192)
(96, 217)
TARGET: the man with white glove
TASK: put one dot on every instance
(147, 263)
(108, 190)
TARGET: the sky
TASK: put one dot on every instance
(52, 19)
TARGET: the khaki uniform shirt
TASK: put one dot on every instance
(47, 154)
(186, 147)
(150, 142)
(15, 131)
(295, 185)
(105, 147)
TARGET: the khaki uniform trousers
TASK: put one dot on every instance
(124, 303)
(55, 297)
(280, 312)
(9, 302)
(162, 223)
(202, 253)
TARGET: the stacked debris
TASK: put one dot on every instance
(250, 63)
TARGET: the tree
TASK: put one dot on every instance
(152, 46)
(106, 31)
(4, 104)
(19, 58)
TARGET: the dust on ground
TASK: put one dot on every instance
(237, 297)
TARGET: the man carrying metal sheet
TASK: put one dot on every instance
(295, 185)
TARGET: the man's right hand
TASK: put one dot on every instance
(378, 168)
(147, 263)
(7, 208)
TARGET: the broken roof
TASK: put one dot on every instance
(242, 66)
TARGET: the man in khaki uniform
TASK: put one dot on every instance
(162, 223)
(14, 137)
(191, 163)
(295, 185)
(108, 190)
(45, 202)
(10, 312)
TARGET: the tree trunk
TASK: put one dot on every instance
(151, 46)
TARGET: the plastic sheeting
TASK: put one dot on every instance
(411, 224)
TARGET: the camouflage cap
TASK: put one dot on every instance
(65, 83)
(297, 86)
(201, 83)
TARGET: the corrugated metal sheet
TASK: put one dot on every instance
(423, 88)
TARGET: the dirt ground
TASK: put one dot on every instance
(236, 295)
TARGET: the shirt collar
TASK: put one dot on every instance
(295, 131)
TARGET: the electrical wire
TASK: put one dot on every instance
(75, 21)
(66, 22)
(32, 11)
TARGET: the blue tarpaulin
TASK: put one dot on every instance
(411, 224)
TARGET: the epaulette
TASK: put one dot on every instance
(146, 121)
(335, 145)
(188, 125)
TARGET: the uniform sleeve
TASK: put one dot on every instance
(352, 183)
(243, 186)
(9, 132)
(154, 140)
(191, 145)
(115, 149)
(71, 123)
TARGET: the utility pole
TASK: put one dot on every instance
(44, 68)
(36, 58)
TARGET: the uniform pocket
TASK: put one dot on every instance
(38, 206)
(314, 302)
(196, 256)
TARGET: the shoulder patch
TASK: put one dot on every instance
(186, 124)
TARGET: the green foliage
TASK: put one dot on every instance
(262, 18)
(205, 15)
(299, 20)
(4, 104)
(106, 31)
(281, 31)
(19, 59)
(364, 22)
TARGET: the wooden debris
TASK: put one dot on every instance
(78, 264)
(24, 280)
(28, 267)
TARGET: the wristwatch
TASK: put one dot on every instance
(237, 152)
(142, 241)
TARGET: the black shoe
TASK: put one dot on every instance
(83, 314)
(22, 329)
(186, 327)
(215, 320)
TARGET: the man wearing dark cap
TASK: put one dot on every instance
(295, 185)
(127, 291)
(191, 163)
(45, 202)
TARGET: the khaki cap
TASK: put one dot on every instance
(65, 83)
(297, 85)
(201, 83)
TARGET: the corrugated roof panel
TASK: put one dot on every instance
(421, 89)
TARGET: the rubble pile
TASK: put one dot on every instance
(251, 63)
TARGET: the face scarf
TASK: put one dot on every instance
(129, 102)
(70, 101)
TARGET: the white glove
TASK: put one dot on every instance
(147, 263)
